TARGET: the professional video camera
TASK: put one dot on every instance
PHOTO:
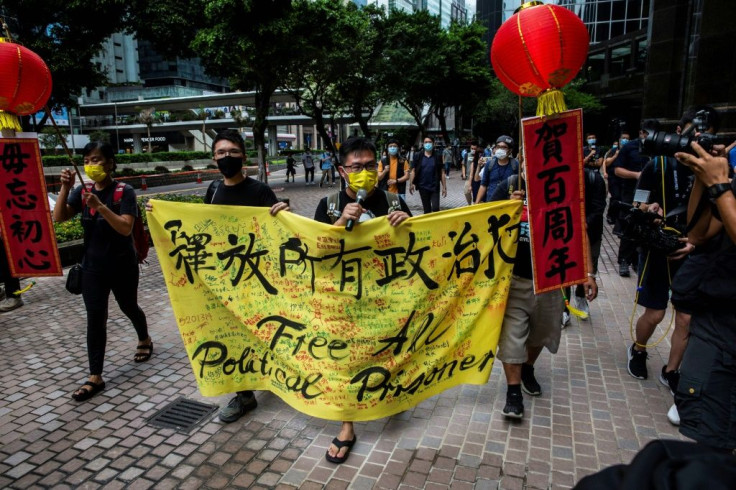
(649, 230)
(667, 144)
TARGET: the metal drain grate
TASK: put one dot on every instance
(182, 415)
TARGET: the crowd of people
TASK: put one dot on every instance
(687, 194)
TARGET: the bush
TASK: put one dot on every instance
(124, 158)
(211, 165)
(187, 168)
(69, 230)
(161, 169)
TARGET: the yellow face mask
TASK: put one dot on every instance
(365, 179)
(95, 172)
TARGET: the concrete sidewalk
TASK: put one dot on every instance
(591, 414)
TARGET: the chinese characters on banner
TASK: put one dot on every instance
(25, 218)
(342, 326)
(553, 148)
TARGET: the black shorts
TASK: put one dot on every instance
(657, 276)
(706, 394)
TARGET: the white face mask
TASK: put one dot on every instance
(501, 154)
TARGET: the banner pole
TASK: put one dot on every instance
(63, 143)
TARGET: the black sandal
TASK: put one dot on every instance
(85, 393)
(339, 445)
(143, 356)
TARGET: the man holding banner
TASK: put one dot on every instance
(236, 190)
(360, 201)
(531, 321)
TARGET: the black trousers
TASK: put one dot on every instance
(308, 171)
(122, 280)
(12, 284)
(430, 200)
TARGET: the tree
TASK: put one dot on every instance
(148, 117)
(321, 58)
(413, 47)
(468, 80)
(99, 135)
(360, 87)
(248, 41)
(50, 138)
(51, 29)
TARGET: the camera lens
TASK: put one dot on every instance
(665, 144)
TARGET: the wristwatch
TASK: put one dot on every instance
(715, 191)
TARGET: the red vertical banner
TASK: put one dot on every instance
(25, 217)
(553, 149)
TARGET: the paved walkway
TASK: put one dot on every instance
(591, 415)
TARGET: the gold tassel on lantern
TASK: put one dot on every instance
(550, 102)
(9, 121)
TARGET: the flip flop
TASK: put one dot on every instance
(339, 445)
(143, 356)
(86, 394)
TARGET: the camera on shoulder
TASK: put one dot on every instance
(667, 144)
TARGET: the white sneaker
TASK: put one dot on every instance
(673, 415)
(582, 305)
(565, 319)
(10, 304)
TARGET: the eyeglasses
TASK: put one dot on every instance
(235, 152)
(359, 168)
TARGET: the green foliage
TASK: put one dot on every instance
(69, 230)
(99, 135)
(161, 169)
(187, 168)
(50, 138)
(52, 29)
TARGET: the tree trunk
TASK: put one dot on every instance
(148, 129)
(204, 136)
(263, 104)
(440, 113)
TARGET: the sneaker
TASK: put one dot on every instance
(10, 304)
(637, 365)
(669, 379)
(673, 415)
(241, 403)
(514, 408)
(528, 382)
(565, 319)
(623, 270)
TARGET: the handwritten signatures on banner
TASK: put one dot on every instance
(341, 326)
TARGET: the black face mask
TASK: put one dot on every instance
(229, 166)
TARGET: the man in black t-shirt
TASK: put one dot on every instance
(360, 169)
(236, 189)
(531, 322)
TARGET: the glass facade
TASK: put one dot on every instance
(605, 19)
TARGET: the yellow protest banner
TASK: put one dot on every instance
(340, 325)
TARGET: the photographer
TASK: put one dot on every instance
(609, 160)
(627, 169)
(668, 186)
(705, 397)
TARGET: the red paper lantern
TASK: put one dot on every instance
(25, 81)
(540, 48)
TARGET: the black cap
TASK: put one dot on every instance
(505, 139)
